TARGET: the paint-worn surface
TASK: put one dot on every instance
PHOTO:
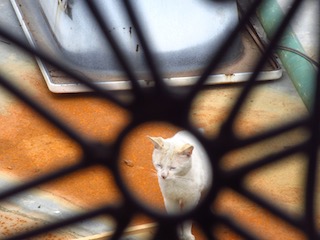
(31, 147)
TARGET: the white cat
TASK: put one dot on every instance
(184, 172)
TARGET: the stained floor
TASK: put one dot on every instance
(31, 147)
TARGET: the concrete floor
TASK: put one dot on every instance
(31, 147)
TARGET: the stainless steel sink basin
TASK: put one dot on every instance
(183, 34)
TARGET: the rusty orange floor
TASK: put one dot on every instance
(30, 147)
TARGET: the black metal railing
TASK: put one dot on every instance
(173, 107)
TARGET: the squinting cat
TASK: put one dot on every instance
(183, 171)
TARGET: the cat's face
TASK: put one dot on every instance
(171, 159)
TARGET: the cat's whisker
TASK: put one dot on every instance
(154, 173)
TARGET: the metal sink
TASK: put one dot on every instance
(183, 34)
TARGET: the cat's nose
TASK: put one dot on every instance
(164, 175)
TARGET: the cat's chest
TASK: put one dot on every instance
(178, 187)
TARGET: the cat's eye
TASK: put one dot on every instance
(159, 166)
(172, 168)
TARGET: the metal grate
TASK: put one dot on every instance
(173, 106)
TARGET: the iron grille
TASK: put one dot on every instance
(173, 106)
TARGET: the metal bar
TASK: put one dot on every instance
(265, 204)
(241, 172)
(123, 217)
(108, 210)
(63, 66)
(40, 180)
(243, 142)
(112, 41)
(150, 58)
(227, 126)
(298, 68)
(312, 168)
(166, 231)
(221, 52)
(233, 179)
(51, 117)
(235, 227)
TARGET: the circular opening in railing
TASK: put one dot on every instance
(165, 168)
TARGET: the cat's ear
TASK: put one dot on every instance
(157, 142)
(186, 150)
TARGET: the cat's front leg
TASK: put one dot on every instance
(185, 229)
(185, 232)
(172, 206)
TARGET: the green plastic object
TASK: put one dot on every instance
(301, 72)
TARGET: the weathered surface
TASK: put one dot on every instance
(31, 147)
